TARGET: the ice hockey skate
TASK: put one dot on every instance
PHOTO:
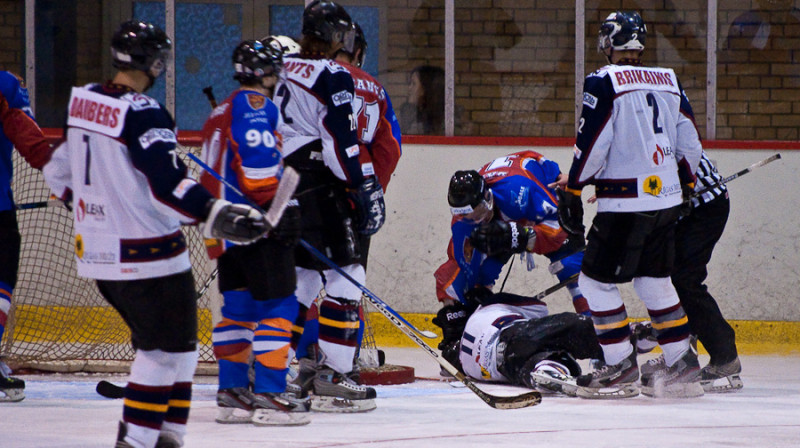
(680, 380)
(336, 392)
(611, 381)
(272, 409)
(11, 389)
(551, 376)
(722, 377)
(234, 405)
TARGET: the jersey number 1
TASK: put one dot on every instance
(86, 179)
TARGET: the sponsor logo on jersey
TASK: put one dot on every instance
(183, 186)
(652, 185)
(342, 97)
(366, 85)
(256, 101)
(79, 245)
(157, 135)
(577, 152)
(589, 100)
(661, 154)
(522, 197)
(88, 209)
(352, 151)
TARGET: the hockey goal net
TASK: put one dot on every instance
(59, 321)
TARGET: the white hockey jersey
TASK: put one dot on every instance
(315, 98)
(130, 191)
(635, 132)
(478, 353)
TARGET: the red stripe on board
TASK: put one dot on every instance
(193, 138)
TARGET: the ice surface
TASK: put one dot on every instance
(65, 411)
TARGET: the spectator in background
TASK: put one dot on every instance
(423, 113)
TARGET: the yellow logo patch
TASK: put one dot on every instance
(79, 246)
(652, 185)
(256, 101)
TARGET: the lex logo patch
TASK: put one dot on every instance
(84, 209)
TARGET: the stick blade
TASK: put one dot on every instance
(286, 188)
(110, 390)
(515, 402)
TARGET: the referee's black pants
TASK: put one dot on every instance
(695, 238)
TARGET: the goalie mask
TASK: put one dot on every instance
(141, 46)
(622, 30)
(330, 23)
(253, 61)
(469, 196)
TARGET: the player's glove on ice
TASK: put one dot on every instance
(499, 237)
(452, 319)
(237, 223)
(369, 207)
(570, 212)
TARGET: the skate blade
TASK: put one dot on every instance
(273, 417)
(608, 393)
(549, 384)
(675, 390)
(733, 384)
(341, 405)
(12, 395)
(228, 416)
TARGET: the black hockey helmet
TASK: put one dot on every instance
(622, 30)
(360, 43)
(141, 46)
(253, 60)
(467, 190)
(329, 22)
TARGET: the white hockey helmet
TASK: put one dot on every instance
(622, 30)
(284, 44)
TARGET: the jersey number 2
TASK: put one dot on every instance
(651, 101)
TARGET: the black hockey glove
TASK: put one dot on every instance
(570, 212)
(369, 206)
(499, 237)
(452, 319)
(477, 296)
(237, 223)
(290, 228)
(686, 205)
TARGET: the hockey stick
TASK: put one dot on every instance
(498, 402)
(42, 204)
(733, 176)
(286, 189)
(110, 390)
(209, 92)
(424, 333)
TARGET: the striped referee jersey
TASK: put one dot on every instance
(707, 176)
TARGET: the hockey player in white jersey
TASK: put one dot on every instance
(637, 143)
(130, 193)
(339, 193)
